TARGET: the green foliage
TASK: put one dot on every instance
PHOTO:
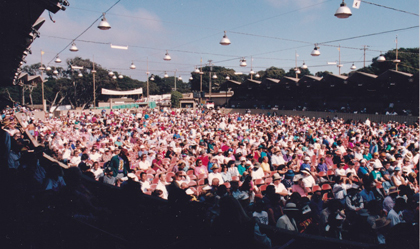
(175, 97)
(409, 62)
(322, 73)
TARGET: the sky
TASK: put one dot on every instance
(279, 33)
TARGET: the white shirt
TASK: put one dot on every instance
(144, 165)
(162, 186)
(277, 160)
(144, 186)
(280, 188)
(213, 175)
(308, 181)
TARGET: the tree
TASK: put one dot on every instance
(322, 73)
(175, 97)
(409, 62)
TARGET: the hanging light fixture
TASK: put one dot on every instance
(120, 76)
(191, 78)
(104, 25)
(251, 72)
(353, 67)
(214, 76)
(315, 52)
(297, 71)
(167, 57)
(225, 40)
(304, 66)
(257, 75)
(166, 75)
(57, 59)
(180, 78)
(152, 78)
(196, 70)
(42, 68)
(55, 72)
(243, 62)
(114, 77)
(227, 77)
(80, 75)
(73, 48)
(343, 11)
(110, 73)
(381, 58)
(132, 66)
(48, 69)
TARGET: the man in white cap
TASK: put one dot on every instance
(220, 158)
(277, 158)
(287, 221)
(215, 174)
(280, 188)
(306, 164)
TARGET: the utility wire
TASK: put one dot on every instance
(84, 31)
(383, 6)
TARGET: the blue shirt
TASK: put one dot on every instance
(305, 166)
(367, 196)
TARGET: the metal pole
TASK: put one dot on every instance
(364, 55)
(201, 79)
(396, 53)
(42, 78)
(147, 79)
(210, 79)
(94, 90)
(339, 60)
(296, 65)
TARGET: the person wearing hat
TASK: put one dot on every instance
(220, 157)
(298, 186)
(120, 164)
(277, 158)
(279, 187)
(354, 201)
(396, 178)
(381, 227)
(287, 220)
(215, 174)
(376, 175)
(307, 179)
(242, 166)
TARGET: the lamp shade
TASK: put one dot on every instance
(114, 77)
(57, 59)
(257, 75)
(132, 66)
(80, 75)
(120, 76)
(243, 62)
(73, 48)
(353, 67)
(179, 78)
(196, 70)
(48, 68)
(315, 52)
(191, 78)
(343, 11)
(214, 76)
(227, 77)
(381, 58)
(167, 57)
(110, 73)
(166, 75)
(225, 40)
(55, 72)
(104, 25)
(304, 66)
(152, 78)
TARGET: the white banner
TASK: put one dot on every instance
(131, 92)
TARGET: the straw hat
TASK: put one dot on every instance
(380, 223)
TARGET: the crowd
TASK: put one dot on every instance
(352, 180)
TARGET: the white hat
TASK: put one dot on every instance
(189, 192)
(306, 158)
(297, 177)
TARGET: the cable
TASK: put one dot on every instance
(84, 31)
(383, 6)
